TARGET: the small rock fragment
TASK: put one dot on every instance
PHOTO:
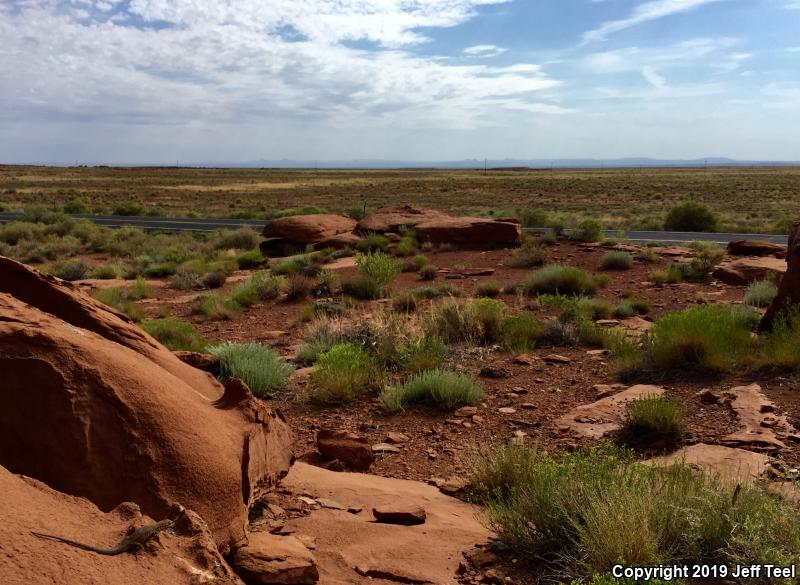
(402, 515)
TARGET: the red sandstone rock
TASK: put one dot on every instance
(308, 229)
(391, 219)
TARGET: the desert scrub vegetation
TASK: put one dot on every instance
(122, 298)
(244, 238)
(616, 260)
(442, 388)
(428, 272)
(250, 259)
(691, 217)
(578, 514)
(588, 230)
(216, 307)
(489, 289)
(70, 269)
(259, 367)
(372, 242)
(405, 302)
(376, 271)
(343, 373)
(530, 254)
(261, 286)
(653, 418)
(559, 280)
(435, 291)
(106, 272)
(760, 293)
(476, 321)
(421, 354)
(781, 347)
(176, 334)
(520, 332)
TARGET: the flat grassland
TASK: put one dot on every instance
(758, 199)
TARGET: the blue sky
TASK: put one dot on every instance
(132, 81)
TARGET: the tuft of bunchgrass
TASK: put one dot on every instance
(258, 366)
(379, 266)
(578, 514)
(531, 253)
(250, 259)
(781, 346)
(421, 354)
(760, 293)
(362, 287)
(404, 302)
(176, 334)
(106, 272)
(343, 373)
(489, 289)
(616, 260)
(216, 307)
(70, 270)
(444, 389)
(588, 231)
(520, 332)
(559, 280)
(712, 338)
(428, 272)
(477, 321)
(259, 287)
(372, 241)
(652, 418)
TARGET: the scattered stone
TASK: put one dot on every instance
(708, 396)
(597, 352)
(745, 270)
(402, 515)
(480, 558)
(477, 419)
(604, 416)
(522, 360)
(385, 448)
(308, 501)
(494, 372)
(396, 438)
(201, 361)
(308, 541)
(353, 450)
(330, 504)
(756, 248)
(507, 410)
(528, 406)
(556, 359)
(465, 411)
(607, 322)
(271, 559)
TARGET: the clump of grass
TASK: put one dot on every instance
(407, 245)
(70, 269)
(176, 334)
(616, 260)
(691, 217)
(760, 293)
(250, 259)
(343, 373)
(434, 292)
(420, 261)
(259, 287)
(421, 354)
(520, 332)
(489, 289)
(712, 338)
(106, 272)
(372, 242)
(244, 238)
(405, 302)
(624, 309)
(296, 287)
(428, 272)
(580, 513)
(362, 287)
(215, 307)
(648, 255)
(378, 266)
(259, 367)
(444, 389)
(322, 308)
(559, 280)
(781, 346)
(531, 253)
(588, 231)
(651, 418)
(477, 321)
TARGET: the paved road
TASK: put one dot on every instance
(209, 225)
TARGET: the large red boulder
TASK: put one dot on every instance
(745, 270)
(470, 232)
(756, 248)
(95, 409)
(789, 289)
(391, 219)
(302, 230)
(183, 555)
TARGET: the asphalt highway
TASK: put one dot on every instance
(210, 225)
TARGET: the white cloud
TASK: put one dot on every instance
(694, 53)
(648, 11)
(653, 78)
(484, 50)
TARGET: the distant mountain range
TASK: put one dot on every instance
(507, 163)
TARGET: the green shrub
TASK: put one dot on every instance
(322, 308)
(520, 332)
(624, 309)
(287, 267)
(658, 277)
(176, 334)
(428, 272)
(581, 513)
(536, 218)
(215, 307)
(420, 261)
(445, 389)
(106, 272)
(75, 206)
(243, 238)
(139, 289)
(250, 259)
(186, 279)
(343, 373)
(588, 231)
(17, 231)
(760, 293)
(404, 302)
(259, 287)
(691, 217)
(652, 418)
(781, 346)
(616, 260)
(130, 208)
(559, 280)
(477, 321)
(434, 292)
(640, 306)
(489, 289)
(712, 338)
(648, 255)
(328, 283)
(593, 309)
(531, 253)
(421, 354)
(707, 256)
(557, 333)
(362, 287)
(378, 266)
(372, 242)
(297, 287)
(407, 246)
(70, 269)
(259, 367)
(214, 279)
(120, 299)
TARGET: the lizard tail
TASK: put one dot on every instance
(65, 540)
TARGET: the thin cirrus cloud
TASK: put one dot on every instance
(646, 12)
(484, 51)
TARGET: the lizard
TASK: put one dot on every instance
(131, 542)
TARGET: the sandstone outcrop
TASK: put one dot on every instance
(470, 232)
(183, 555)
(93, 407)
(756, 248)
(302, 230)
(748, 269)
(393, 218)
(789, 289)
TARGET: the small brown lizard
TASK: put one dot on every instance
(131, 542)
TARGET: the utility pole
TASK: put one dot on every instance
(485, 165)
